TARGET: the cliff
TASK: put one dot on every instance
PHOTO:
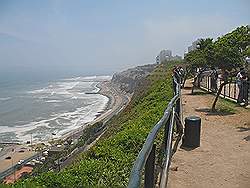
(129, 79)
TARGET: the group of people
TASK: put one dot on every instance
(243, 85)
(242, 81)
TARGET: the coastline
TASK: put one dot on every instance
(116, 102)
(105, 90)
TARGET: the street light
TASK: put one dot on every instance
(13, 151)
(31, 140)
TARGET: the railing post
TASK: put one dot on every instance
(225, 90)
(234, 90)
(168, 152)
(178, 107)
(174, 87)
(208, 83)
(248, 93)
(166, 130)
(229, 90)
(149, 181)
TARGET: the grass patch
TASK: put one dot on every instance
(226, 106)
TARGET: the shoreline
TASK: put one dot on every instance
(101, 86)
(108, 106)
(116, 102)
(103, 90)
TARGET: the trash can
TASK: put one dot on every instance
(192, 131)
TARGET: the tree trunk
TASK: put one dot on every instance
(199, 81)
(194, 85)
(217, 96)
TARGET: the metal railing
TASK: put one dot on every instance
(145, 162)
(230, 90)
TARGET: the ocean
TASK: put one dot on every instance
(49, 109)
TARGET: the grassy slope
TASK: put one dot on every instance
(108, 164)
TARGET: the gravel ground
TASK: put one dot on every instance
(223, 159)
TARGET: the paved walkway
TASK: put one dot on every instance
(223, 160)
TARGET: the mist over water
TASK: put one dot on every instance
(40, 108)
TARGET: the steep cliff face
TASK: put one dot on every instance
(129, 79)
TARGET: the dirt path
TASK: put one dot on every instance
(223, 159)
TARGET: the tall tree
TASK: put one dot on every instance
(230, 54)
(227, 53)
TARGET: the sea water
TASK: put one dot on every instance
(44, 110)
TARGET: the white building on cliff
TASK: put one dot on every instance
(194, 45)
(166, 55)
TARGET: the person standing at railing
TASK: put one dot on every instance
(181, 73)
(239, 84)
(176, 73)
(214, 78)
(241, 81)
(245, 88)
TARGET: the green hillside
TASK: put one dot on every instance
(109, 162)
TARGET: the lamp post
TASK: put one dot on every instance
(13, 152)
(31, 139)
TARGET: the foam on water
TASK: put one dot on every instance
(69, 108)
(53, 101)
(5, 98)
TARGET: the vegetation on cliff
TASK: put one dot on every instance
(109, 162)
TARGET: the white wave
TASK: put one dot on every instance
(97, 89)
(90, 78)
(5, 98)
(37, 91)
(65, 88)
(59, 88)
(67, 121)
(72, 79)
(53, 101)
(96, 78)
(75, 120)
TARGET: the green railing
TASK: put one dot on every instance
(145, 162)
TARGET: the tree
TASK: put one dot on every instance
(202, 58)
(227, 53)
(205, 43)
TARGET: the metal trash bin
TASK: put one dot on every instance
(192, 130)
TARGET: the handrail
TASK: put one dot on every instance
(164, 176)
(230, 90)
(135, 176)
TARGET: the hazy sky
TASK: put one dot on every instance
(100, 37)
